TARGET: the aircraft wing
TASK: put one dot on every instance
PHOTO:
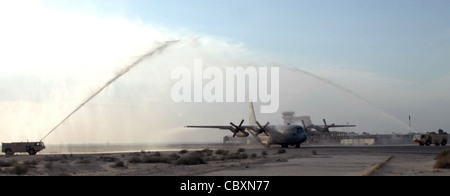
(235, 130)
(211, 127)
(227, 127)
(330, 126)
(333, 125)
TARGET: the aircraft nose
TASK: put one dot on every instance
(303, 136)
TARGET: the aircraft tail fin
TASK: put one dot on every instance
(251, 114)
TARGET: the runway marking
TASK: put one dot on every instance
(377, 166)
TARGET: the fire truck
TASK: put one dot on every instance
(18, 147)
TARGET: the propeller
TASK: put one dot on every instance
(262, 129)
(304, 125)
(326, 126)
(237, 129)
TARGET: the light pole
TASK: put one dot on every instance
(410, 123)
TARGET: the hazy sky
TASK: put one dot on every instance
(388, 55)
(408, 39)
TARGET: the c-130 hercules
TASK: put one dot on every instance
(284, 135)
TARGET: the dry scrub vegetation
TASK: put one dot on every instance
(135, 163)
(443, 160)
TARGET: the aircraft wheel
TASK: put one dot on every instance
(297, 145)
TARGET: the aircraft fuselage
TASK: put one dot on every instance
(285, 135)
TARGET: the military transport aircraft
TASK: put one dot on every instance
(284, 135)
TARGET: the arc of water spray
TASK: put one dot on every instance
(118, 75)
(352, 94)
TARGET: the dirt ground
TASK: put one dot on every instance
(220, 160)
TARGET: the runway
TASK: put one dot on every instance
(405, 160)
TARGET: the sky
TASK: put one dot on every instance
(405, 39)
(389, 58)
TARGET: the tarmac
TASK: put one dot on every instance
(394, 160)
